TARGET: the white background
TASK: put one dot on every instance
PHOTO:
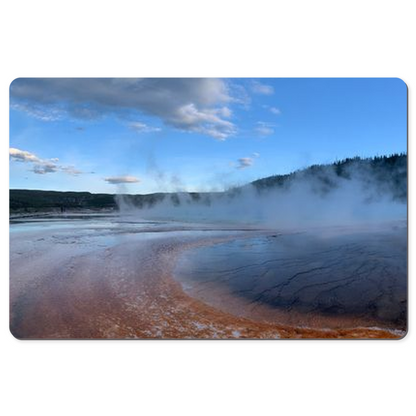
(216, 38)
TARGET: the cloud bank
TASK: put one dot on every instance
(198, 105)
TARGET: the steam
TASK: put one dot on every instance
(354, 193)
(163, 180)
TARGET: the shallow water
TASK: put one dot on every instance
(111, 276)
(331, 274)
(79, 222)
(84, 234)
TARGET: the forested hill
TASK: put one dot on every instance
(384, 175)
(32, 200)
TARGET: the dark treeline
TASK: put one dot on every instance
(385, 175)
(25, 200)
(30, 200)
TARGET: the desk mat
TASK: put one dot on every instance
(202, 208)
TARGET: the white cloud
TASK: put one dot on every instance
(45, 167)
(143, 128)
(39, 112)
(22, 155)
(225, 112)
(41, 166)
(209, 121)
(190, 104)
(114, 180)
(245, 162)
(275, 111)
(71, 170)
(264, 129)
(263, 89)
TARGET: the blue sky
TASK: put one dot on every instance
(154, 135)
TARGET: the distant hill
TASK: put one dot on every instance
(32, 200)
(28, 201)
(384, 175)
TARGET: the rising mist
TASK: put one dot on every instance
(352, 191)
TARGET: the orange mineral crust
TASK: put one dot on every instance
(122, 287)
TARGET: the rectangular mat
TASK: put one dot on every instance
(210, 208)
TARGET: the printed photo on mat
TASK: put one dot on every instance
(202, 208)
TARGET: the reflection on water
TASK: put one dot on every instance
(87, 232)
(77, 222)
(361, 274)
